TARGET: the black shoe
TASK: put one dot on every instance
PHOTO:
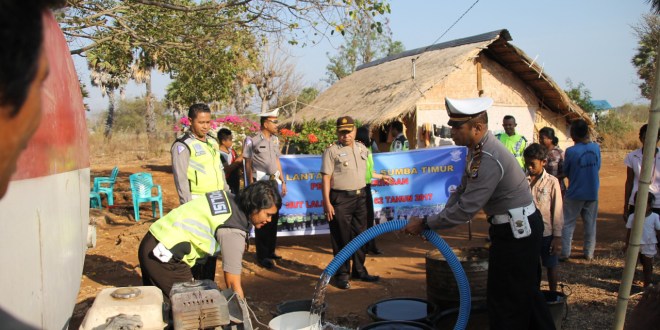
(275, 257)
(367, 278)
(342, 284)
(266, 263)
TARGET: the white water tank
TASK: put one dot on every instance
(144, 301)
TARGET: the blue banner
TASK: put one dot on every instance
(424, 179)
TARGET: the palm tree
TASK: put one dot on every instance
(655, 6)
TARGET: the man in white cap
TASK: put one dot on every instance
(493, 181)
(262, 162)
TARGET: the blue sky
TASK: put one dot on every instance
(588, 41)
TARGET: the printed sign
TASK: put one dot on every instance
(424, 179)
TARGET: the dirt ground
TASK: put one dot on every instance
(592, 286)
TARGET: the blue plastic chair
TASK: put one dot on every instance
(94, 200)
(142, 185)
(105, 185)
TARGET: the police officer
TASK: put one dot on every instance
(400, 142)
(493, 181)
(197, 169)
(196, 162)
(343, 170)
(216, 223)
(262, 162)
(513, 141)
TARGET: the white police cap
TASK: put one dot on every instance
(270, 114)
(462, 110)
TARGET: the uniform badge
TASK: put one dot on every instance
(217, 203)
(199, 150)
(180, 148)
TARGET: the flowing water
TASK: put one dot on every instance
(318, 301)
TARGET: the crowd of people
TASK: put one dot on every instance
(532, 212)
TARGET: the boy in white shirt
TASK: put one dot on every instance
(648, 244)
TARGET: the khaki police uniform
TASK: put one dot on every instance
(191, 235)
(264, 153)
(493, 181)
(347, 166)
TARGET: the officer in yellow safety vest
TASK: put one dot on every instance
(196, 162)
(204, 227)
(513, 142)
(400, 142)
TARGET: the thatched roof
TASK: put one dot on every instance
(384, 90)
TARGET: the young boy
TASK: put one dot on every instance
(231, 163)
(546, 192)
(647, 249)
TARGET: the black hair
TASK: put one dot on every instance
(398, 126)
(259, 196)
(21, 37)
(643, 129)
(262, 121)
(649, 201)
(550, 133)
(362, 135)
(223, 134)
(196, 109)
(579, 129)
(536, 151)
(509, 117)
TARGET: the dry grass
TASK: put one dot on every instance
(593, 288)
(126, 148)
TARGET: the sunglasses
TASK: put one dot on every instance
(273, 121)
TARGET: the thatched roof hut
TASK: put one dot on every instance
(411, 87)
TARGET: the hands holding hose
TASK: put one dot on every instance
(415, 226)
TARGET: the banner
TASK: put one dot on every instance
(424, 179)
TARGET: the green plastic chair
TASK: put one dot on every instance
(142, 186)
(105, 185)
(94, 200)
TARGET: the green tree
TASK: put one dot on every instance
(109, 70)
(648, 35)
(580, 95)
(363, 44)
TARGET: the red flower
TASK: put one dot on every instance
(312, 138)
(287, 132)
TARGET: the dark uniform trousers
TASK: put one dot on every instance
(158, 273)
(513, 296)
(350, 220)
(265, 238)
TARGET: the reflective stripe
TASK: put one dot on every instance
(207, 231)
(207, 236)
(197, 166)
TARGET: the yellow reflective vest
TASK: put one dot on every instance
(516, 144)
(189, 230)
(205, 171)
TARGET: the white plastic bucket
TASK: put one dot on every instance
(292, 321)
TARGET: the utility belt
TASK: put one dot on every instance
(517, 218)
(356, 192)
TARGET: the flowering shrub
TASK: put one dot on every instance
(313, 137)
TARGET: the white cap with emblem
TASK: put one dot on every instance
(270, 114)
(462, 110)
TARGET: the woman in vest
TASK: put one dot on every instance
(203, 227)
